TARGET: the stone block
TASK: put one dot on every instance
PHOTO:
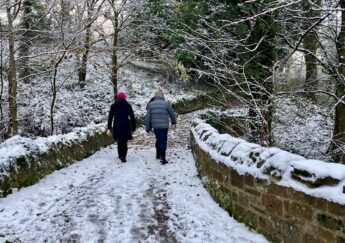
(236, 179)
(298, 211)
(330, 222)
(307, 178)
(223, 168)
(221, 195)
(279, 230)
(336, 209)
(249, 180)
(314, 202)
(277, 190)
(234, 195)
(215, 174)
(307, 238)
(253, 192)
(246, 216)
(324, 234)
(272, 204)
(265, 226)
(244, 199)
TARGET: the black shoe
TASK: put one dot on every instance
(163, 160)
(123, 160)
(158, 155)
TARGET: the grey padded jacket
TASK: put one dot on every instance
(158, 113)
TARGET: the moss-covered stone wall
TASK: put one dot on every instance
(210, 99)
(280, 213)
(27, 170)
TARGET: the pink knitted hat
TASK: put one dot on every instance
(121, 96)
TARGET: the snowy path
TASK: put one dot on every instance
(101, 199)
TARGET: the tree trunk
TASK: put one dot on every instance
(25, 42)
(83, 67)
(52, 104)
(12, 79)
(1, 73)
(339, 125)
(310, 84)
(310, 43)
(54, 89)
(114, 67)
(87, 45)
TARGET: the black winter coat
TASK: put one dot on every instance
(121, 120)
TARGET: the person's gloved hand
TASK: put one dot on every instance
(109, 132)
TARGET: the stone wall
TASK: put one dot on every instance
(201, 101)
(280, 213)
(28, 169)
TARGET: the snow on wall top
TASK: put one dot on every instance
(313, 177)
(21, 146)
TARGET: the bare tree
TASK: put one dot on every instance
(339, 125)
(1, 74)
(91, 15)
(122, 13)
(311, 43)
(12, 9)
(26, 41)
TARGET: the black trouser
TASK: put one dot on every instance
(122, 148)
(161, 140)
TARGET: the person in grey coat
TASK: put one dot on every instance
(157, 118)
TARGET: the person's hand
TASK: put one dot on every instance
(109, 132)
(173, 126)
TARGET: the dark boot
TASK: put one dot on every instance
(122, 149)
(119, 152)
(158, 156)
(124, 155)
(163, 160)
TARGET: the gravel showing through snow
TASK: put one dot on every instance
(101, 199)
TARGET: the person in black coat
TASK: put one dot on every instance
(121, 122)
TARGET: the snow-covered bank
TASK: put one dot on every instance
(302, 127)
(316, 178)
(101, 199)
(79, 107)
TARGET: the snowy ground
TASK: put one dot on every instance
(79, 107)
(306, 130)
(101, 199)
